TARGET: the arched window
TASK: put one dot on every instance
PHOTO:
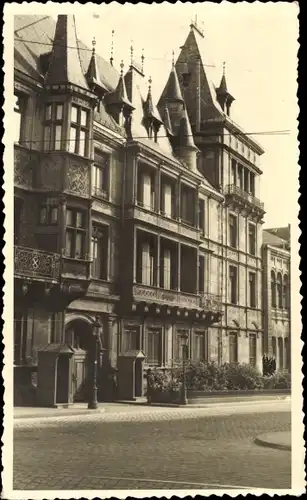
(273, 289)
(286, 292)
(279, 290)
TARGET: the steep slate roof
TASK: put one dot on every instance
(280, 232)
(193, 50)
(36, 39)
(269, 238)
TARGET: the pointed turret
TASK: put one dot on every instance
(167, 121)
(92, 74)
(172, 91)
(118, 102)
(186, 149)
(152, 120)
(65, 65)
(223, 96)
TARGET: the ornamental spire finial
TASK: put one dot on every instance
(112, 48)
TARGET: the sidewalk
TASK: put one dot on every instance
(141, 405)
(277, 440)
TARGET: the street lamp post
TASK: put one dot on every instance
(93, 403)
(183, 392)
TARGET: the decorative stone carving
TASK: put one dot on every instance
(77, 178)
(36, 263)
(25, 163)
(50, 172)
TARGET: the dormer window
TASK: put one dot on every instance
(79, 131)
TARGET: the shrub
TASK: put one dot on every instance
(277, 381)
(268, 366)
(243, 377)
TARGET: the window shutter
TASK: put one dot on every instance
(146, 190)
(168, 200)
(167, 268)
(145, 264)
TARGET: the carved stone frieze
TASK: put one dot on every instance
(77, 178)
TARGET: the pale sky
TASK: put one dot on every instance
(259, 44)
(258, 41)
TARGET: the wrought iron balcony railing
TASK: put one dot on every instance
(30, 262)
(233, 190)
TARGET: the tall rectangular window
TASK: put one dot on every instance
(233, 347)
(154, 346)
(201, 283)
(100, 252)
(252, 289)
(233, 284)
(240, 177)
(100, 176)
(75, 234)
(233, 172)
(252, 183)
(167, 199)
(201, 216)
(233, 231)
(53, 127)
(166, 278)
(187, 205)
(199, 346)
(147, 256)
(79, 131)
(252, 239)
(252, 349)
(146, 190)
(179, 344)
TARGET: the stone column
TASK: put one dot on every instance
(178, 196)
(135, 173)
(179, 266)
(158, 260)
(158, 189)
(62, 221)
(197, 271)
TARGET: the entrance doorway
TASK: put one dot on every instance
(78, 334)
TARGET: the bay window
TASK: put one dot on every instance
(79, 131)
(53, 127)
(75, 234)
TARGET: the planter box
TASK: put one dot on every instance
(198, 397)
(165, 397)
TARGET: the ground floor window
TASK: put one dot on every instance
(199, 346)
(154, 346)
(131, 339)
(233, 347)
(252, 349)
(179, 344)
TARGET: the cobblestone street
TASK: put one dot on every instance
(173, 449)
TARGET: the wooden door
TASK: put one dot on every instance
(80, 377)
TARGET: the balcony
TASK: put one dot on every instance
(239, 195)
(33, 263)
(25, 166)
(205, 302)
(163, 222)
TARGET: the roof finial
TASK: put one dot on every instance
(149, 86)
(112, 49)
(196, 20)
(224, 67)
(93, 44)
(131, 52)
(122, 68)
(142, 59)
(173, 58)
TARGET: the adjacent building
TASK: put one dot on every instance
(142, 215)
(276, 296)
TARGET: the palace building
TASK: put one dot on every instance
(276, 295)
(144, 216)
